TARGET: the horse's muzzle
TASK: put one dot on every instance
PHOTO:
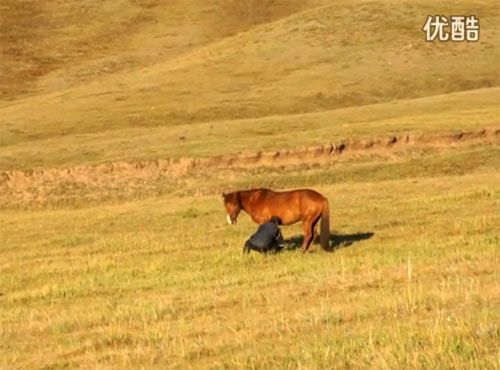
(230, 221)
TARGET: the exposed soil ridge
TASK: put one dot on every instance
(120, 172)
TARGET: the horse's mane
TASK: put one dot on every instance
(255, 189)
(238, 192)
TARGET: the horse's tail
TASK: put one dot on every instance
(324, 236)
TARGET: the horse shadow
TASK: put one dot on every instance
(337, 241)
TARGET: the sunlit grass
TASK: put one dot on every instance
(163, 282)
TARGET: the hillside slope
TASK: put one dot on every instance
(462, 111)
(320, 58)
(50, 46)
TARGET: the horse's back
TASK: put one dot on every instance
(297, 201)
(297, 193)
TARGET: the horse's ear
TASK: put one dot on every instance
(224, 195)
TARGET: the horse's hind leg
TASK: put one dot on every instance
(309, 233)
(314, 228)
(308, 236)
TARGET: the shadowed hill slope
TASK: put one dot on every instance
(49, 46)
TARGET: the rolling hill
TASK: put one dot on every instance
(319, 58)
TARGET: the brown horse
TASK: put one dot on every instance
(304, 205)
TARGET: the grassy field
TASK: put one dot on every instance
(163, 282)
(117, 119)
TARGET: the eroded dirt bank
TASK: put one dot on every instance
(143, 177)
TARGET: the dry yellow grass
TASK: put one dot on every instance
(162, 283)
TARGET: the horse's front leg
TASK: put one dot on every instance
(308, 236)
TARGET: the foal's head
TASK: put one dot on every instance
(232, 202)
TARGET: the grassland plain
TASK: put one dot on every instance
(109, 259)
(162, 282)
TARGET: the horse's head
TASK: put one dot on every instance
(232, 202)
